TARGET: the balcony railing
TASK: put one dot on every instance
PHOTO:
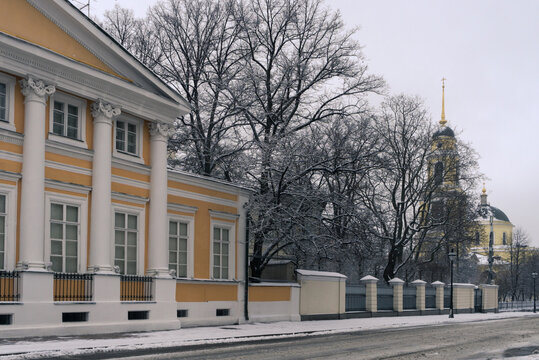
(135, 288)
(9, 286)
(73, 287)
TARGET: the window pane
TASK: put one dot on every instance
(224, 249)
(56, 263)
(182, 258)
(58, 129)
(57, 231)
(225, 261)
(2, 244)
(172, 227)
(131, 267)
(57, 212)
(216, 248)
(183, 244)
(172, 257)
(72, 213)
(216, 233)
(132, 238)
(71, 232)
(56, 247)
(2, 204)
(216, 260)
(182, 271)
(172, 243)
(119, 220)
(119, 237)
(131, 222)
(72, 133)
(225, 235)
(183, 229)
(119, 252)
(131, 253)
(120, 125)
(216, 272)
(131, 128)
(58, 106)
(73, 110)
(2, 110)
(224, 273)
(71, 265)
(120, 145)
(2, 225)
(71, 248)
(1, 260)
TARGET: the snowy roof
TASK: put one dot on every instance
(319, 273)
(486, 211)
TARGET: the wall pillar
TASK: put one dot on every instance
(439, 294)
(419, 294)
(397, 285)
(32, 222)
(158, 232)
(371, 293)
(101, 213)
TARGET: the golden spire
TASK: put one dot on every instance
(443, 121)
(484, 189)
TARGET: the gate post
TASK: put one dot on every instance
(439, 294)
(397, 285)
(419, 294)
(371, 293)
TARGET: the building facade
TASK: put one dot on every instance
(95, 232)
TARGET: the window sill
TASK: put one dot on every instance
(128, 157)
(69, 141)
(7, 126)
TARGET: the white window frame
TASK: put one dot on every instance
(81, 105)
(141, 234)
(82, 203)
(10, 82)
(140, 129)
(231, 227)
(10, 242)
(190, 242)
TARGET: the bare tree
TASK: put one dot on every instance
(303, 68)
(201, 58)
(414, 210)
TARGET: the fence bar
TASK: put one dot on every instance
(9, 286)
(136, 288)
(73, 287)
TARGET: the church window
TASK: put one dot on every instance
(504, 239)
(438, 173)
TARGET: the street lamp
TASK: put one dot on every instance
(534, 276)
(452, 256)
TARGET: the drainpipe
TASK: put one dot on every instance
(246, 296)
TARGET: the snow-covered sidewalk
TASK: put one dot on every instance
(72, 346)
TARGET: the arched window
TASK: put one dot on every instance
(504, 240)
(439, 173)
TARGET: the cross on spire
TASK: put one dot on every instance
(443, 121)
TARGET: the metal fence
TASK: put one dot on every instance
(73, 287)
(355, 298)
(478, 300)
(409, 297)
(430, 297)
(385, 297)
(516, 305)
(9, 286)
(136, 288)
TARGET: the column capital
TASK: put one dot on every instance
(161, 131)
(102, 109)
(36, 89)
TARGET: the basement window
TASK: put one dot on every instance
(138, 315)
(182, 313)
(222, 312)
(6, 319)
(74, 316)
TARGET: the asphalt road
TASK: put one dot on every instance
(493, 339)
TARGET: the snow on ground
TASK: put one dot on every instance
(71, 346)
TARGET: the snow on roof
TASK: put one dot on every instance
(320, 273)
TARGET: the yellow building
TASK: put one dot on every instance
(491, 218)
(94, 230)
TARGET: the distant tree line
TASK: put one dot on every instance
(280, 90)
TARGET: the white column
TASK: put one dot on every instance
(101, 216)
(158, 232)
(32, 223)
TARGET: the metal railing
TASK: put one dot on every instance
(355, 298)
(9, 286)
(136, 288)
(73, 287)
(515, 305)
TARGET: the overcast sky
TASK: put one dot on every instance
(489, 52)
